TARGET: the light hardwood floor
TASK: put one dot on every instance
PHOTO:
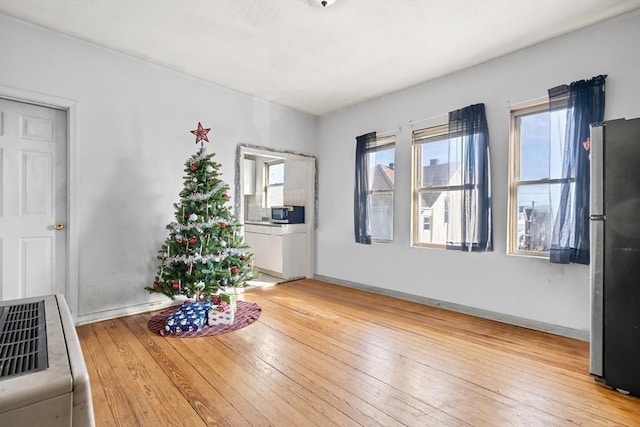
(326, 355)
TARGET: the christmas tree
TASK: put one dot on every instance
(205, 250)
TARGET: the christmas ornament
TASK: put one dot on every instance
(223, 243)
(223, 225)
(234, 270)
(209, 168)
(193, 217)
(225, 196)
(192, 240)
(201, 133)
(243, 257)
(176, 286)
(155, 285)
(194, 168)
(185, 216)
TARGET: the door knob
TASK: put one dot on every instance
(59, 226)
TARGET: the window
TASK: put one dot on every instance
(437, 167)
(426, 224)
(274, 183)
(451, 183)
(535, 178)
(381, 171)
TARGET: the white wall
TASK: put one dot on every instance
(528, 288)
(134, 120)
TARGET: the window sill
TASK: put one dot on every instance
(428, 246)
(543, 256)
(384, 242)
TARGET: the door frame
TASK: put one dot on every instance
(311, 216)
(71, 107)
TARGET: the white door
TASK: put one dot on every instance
(33, 165)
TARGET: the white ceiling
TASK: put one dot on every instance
(314, 59)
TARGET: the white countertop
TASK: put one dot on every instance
(267, 223)
(276, 229)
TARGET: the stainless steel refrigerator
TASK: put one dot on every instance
(615, 254)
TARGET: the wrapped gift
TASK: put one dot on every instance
(190, 317)
(231, 299)
(221, 314)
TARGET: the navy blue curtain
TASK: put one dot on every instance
(584, 101)
(469, 124)
(361, 221)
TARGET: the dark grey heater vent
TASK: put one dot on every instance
(23, 339)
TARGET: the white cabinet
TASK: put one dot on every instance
(278, 250)
(254, 241)
(294, 255)
(295, 175)
(266, 248)
(249, 177)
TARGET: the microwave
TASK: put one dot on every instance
(287, 214)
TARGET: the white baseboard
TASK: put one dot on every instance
(98, 316)
(473, 311)
(477, 312)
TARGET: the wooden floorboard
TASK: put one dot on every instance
(325, 355)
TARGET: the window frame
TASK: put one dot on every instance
(268, 185)
(514, 181)
(418, 138)
(383, 143)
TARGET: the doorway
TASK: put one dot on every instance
(302, 169)
(38, 254)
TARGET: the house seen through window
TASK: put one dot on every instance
(381, 169)
(535, 179)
